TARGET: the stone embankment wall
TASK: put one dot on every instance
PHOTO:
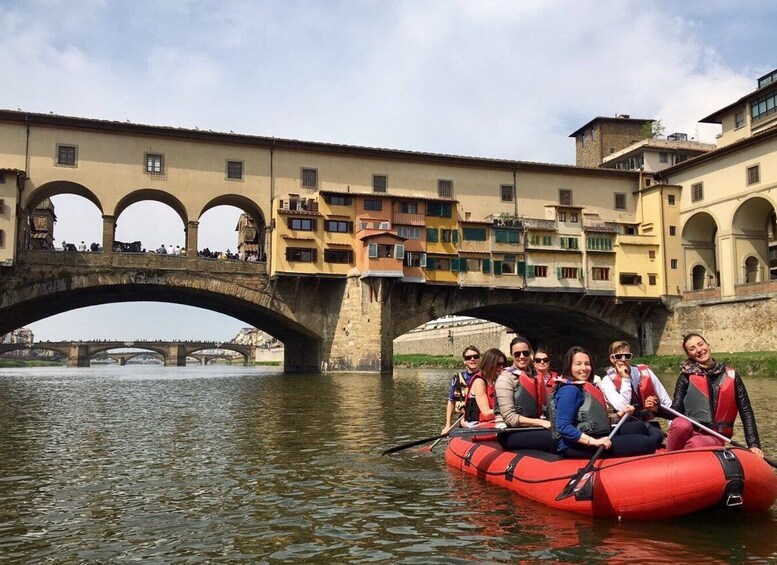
(452, 339)
(744, 324)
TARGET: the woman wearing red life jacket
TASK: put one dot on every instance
(712, 394)
(479, 405)
(581, 421)
(521, 398)
(542, 368)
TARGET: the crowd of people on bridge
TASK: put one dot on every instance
(574, 412)
(137, 247)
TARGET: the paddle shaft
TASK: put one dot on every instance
(713, 433)
(439, 439)
(578, 481)
(455, 432)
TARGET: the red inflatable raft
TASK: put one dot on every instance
(648, 487)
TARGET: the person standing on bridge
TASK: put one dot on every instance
(162, 250)
(460, 386)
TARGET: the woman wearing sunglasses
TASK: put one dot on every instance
(627, 386)
(542, 368)
(521, 399)
(479, 406)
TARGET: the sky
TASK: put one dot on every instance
(500, 79)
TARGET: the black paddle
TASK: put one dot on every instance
(455, 432)
(577, 482)
(714, 433)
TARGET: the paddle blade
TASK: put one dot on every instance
(569, 488)
(411, 444)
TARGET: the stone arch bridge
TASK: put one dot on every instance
(325, 324)
(172, 353)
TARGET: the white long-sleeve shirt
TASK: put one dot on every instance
(620, 399)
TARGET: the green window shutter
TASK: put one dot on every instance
(558, 272)
(486, 265)
(462, 264)
(500, 236)
(430, 265)
(372, 250)
(580, 274)
(454, 265)
(513, 236)
(455, 235)
(497, 267)
(547, 240)
(522, 268)
(530, 271)
(432, 235)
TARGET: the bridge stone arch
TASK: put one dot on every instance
(699, 241)
(96, 349)
(54, 188)
(750, 228)
(248, 206)
(9, 347)
(557, 320)
(242, 350)
(154, 195)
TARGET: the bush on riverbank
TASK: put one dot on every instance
(423, 360)
(30, 363)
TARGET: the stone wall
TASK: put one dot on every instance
(451, 340)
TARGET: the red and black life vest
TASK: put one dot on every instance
(641, 391)
(471, 409)
(460, 388)
(698, 401)
(552, 379)
(530, 395)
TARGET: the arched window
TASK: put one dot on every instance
(751, 270)
(698, 276)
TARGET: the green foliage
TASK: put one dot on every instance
(762, 363)
(653, 129)
(422, 360)
(30, 363)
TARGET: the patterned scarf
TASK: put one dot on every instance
(691, 367)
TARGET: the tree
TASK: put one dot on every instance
(653, 128)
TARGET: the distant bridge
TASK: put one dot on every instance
(173, 353)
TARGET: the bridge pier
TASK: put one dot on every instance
(78, 356)
(176, 356)
(109, 233)
(192, 228)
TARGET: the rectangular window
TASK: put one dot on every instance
(651, 254)
(337, 200)
(753, 174)
(562, 216)
(406, 207)
(567, 272)
(2, 238)
(439, 209)
(155, 164)
(379, 183)
(652, 280)
(670, 199)
(2, 177)
(597, 243)
(547, 240)
(672, 230)
(697, 192)
(473, 234)
(510, 236)
(66, 155)
(630, 279)
(432, 235)
(470, 264)
(438, 264)
(573, 217)
(338, 256)
(445, 188)
(338, 226)
(373, 205)
(764, 106)
(564, 197)
(663, 157)
(409, 232)
(309, 178)
(739, 120)
(507, 192)
(305, 224)
(600, 273)
(235, 170)
(449, 236)
(301, 254)
(673, 263)
(568, 242)
(508, 265)
(620, 201)
(415, 259)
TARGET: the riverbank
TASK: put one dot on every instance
(10, 363)
(761, 363)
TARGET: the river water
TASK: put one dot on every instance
(223, 464)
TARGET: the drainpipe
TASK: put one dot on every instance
(268, 230)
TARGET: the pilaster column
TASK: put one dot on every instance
(109, 233)
(191, 238)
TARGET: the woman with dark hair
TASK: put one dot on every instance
(581, 421)
(712, 394)
(479, 404)
(521, 399)
(542, 368)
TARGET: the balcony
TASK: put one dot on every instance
(305, 205)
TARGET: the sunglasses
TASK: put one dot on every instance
(622, 356)
(501, 364)
(525, 353)
(471, 357)
(541, 359)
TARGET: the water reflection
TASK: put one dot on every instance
(224, 464)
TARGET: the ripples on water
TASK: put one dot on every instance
(224, 464)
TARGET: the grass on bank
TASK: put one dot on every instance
(12, 363)
(762, 363)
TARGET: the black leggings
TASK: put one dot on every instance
(633, 438)
(541, 440)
